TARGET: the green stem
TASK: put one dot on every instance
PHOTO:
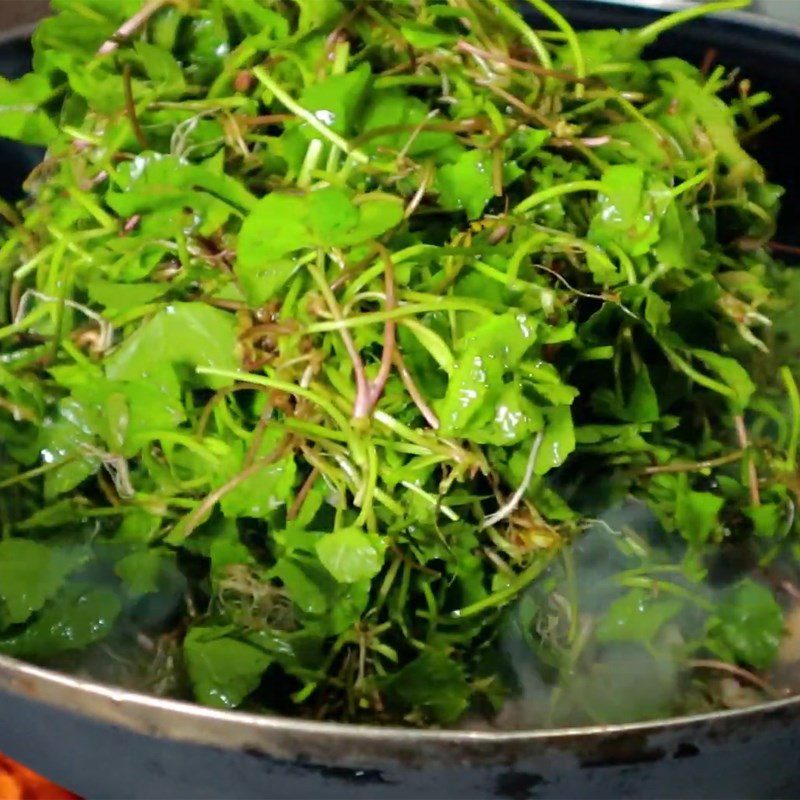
(658, 586)
(515, 21)
(35, 473)
(376, 270)
(410, 310)
(310, 118)
(569, 34)
(794, 403)
(38, 314)
(696, 375)
(502, 597)
(687, 185)
(557, 191)
(652, 31)
(366, 517)
(310, 163)
(282, 386)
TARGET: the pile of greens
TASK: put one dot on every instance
(332, 330)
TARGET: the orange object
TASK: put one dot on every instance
(20, 783)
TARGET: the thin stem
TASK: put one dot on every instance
(752, 474)
(300, 499)
(515, 21)
(561, 23)
(19, 413)
(656, 586)
(196, 517)
(738, 672)
(130, 107)
(502, 597)
(414, 392)
(510, 506)
(691, 183)
(558, 190)
(696, 375)
(281, 386)
(310, 163)
(431, 500)
(409, 310)
(696, 466)
(794, 404)
(651, 32)
(363, 391)
(130, 26)
(390, 333)
(525, 66)
(35, 473)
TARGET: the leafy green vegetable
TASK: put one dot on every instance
(223, 670)
(30, 575)
(636, 617)
(78, 617)
(350, 555)
(748, 625)
(434, 683)
(332, 332)
(467, 184)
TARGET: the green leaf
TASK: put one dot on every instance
(748, 625)
(166, 185)
(732, 373)
(142, 571)
(30, 575)
(318, 14)
(477, 384)
(300, 580)
(259, 496)
(21, 115)
(636, 617)
(223, 670)
(390, 110)
(336, 100)
(275, 228)
(69, 439)
(680, 238)
(184, 334)
(466, 185)
(697, 515)
(769, 519)
(128, 414)
(283, 224)
(78, 617)
(630, 214)
(162, 68)
(435, 684)
(350, 555)
(558, 441)
(269, 489)
(692, 99)
(643, 400)
(124, 296)
(425, 37)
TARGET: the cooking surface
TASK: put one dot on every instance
(520, 783)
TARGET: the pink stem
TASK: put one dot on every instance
(130, 26)
(414, 392)
(390, 332)
(363, 403)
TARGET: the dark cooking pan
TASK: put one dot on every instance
(103, 742)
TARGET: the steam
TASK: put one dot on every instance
(562, 675)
